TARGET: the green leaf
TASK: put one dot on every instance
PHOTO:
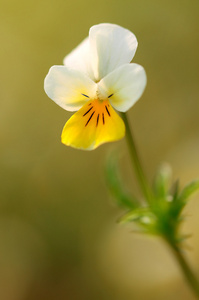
(188, 190)
(116, 186)
(181, 200)
(143, 216)
(174, 190)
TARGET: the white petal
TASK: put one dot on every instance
(68, 87)
(111, 46)
(79, 58)
(124, 86)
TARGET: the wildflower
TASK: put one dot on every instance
(97, 77)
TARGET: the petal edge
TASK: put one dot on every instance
(126, 85)
(111, 46)
(69, 88)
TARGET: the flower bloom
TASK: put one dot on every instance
(97, 78)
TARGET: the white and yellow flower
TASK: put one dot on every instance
(97, 77)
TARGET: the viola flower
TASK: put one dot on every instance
(97, 78)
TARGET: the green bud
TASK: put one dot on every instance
(162, 181)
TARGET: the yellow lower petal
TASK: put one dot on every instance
(94, 124)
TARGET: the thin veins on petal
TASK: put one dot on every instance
(88, 111)
(103, 118)
(97, 120)
(85, 95)
(101, 109)
(108, 96)
(90, 118)
(107, 111)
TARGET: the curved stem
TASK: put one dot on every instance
(136, 161)
(188, 274)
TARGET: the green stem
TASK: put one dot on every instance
(188, 274)
(136, 161)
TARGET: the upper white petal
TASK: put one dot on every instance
(111, 46)
(67, 87)
(80, 58)
(126, 85)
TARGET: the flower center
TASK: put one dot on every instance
(96, 112)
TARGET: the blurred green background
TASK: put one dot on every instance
(58, 233)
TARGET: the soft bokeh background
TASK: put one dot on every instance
(58, 233)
